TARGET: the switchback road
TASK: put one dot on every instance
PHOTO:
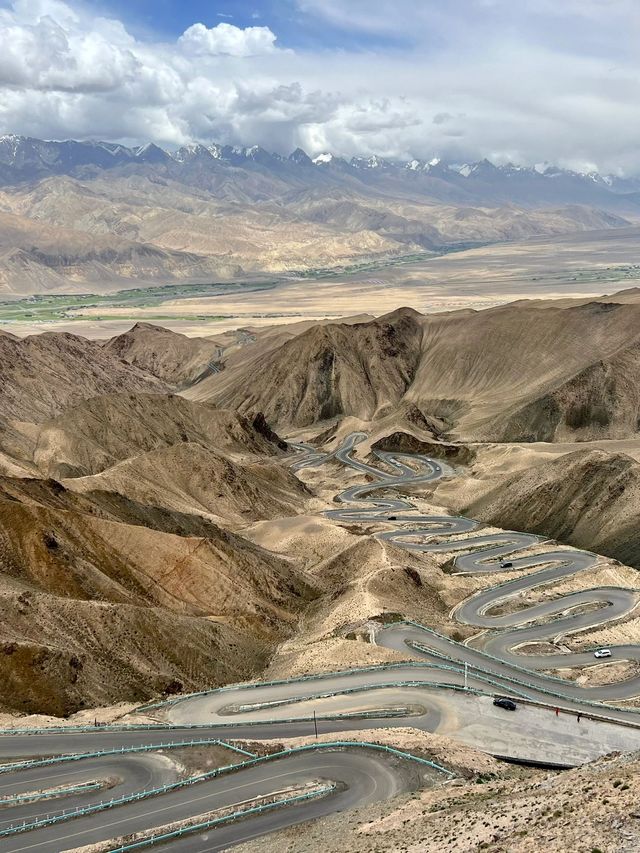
(447, 687)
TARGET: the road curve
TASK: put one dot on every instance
(361, 777)
(482, 554)
(426, 694)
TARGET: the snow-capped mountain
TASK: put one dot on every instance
(24, 158)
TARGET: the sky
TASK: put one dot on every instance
(523, 81)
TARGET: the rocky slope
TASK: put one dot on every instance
(517, 372)
(327, 371)
(39, 257)
(590, 809)
(189, 478)
(602, 400)
(43, 374)
(126, 580)
(103, 430)
(589, 498)
(106, 598)
(173, 358)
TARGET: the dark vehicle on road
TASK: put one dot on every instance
(503, 702)
(506, 564)
(392, 518)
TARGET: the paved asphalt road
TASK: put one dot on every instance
(362, 777)
(427, 694)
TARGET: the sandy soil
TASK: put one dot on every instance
(496, 461)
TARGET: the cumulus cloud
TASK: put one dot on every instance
(463, 79)
(228, 39)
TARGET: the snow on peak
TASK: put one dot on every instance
(323, 158)
(465, 170)
(190, 151)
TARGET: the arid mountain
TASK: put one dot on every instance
(102, 431)
(123, 584)
(601, 400)
(92, 216)
(524, 371)
(590, 498)
(37, 257)
(329, 370)
(42, 374)
(173, 358)
(188, 478)
(147, 557)
(97, 609)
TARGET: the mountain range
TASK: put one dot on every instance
(26, 158)
(96, 216)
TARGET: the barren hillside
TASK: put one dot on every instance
(101, 431)
(589, 498)
(173, 358)
(43, 374)
(40, 257)
(92, 216)
(518, 372)
(590, 809)
(189, 478)
(101, 604)
(329, 370)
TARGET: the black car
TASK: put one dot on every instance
(503, 702)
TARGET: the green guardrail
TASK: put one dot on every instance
(562, 696)
(152, 747)
(391, 666)
(210, 824)
(48, 795)
(212, 774)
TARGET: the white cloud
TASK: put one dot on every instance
(541, 81)
(228, 39)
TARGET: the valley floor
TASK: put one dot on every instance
(568, 266)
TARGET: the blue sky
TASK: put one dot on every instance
(296, 26)
(172, 18)
(523, 81)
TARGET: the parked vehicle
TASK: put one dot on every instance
(503, 702)
(506, 564)
(602, 653)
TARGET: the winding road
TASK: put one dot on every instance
(525, 626)
(447, 687)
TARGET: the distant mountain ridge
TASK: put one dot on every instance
(27, 158)
(93, 216)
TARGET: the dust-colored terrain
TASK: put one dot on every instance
(175, 516)
(200, 215)
(588, 497)
(569, 266)
(154, 538)
(521, 372)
